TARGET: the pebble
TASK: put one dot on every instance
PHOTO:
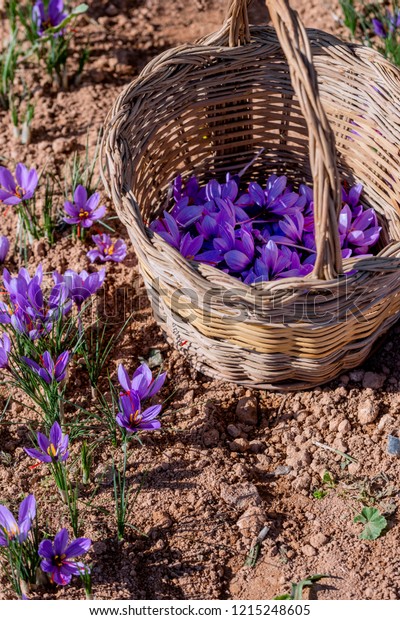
(344, 426)
(357, 375)
(239, 445)
(393, 445)
(302, 483)
(211, 438)
(233, 431)
(385, 421)
(257, 446)
(251, 521)
(318, 540)
(373, 380)
(367, 412)
(246, 410)
(309, 551)
(240, 495)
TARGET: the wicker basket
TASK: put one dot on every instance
(309, 99)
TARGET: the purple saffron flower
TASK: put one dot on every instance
(58, 557)
(107, 250)
(50, 18)
(48, 370)
(142, 382)
(272, 262)
(4, 247)
(10, 529)
(168, 229)
(133, 419)
(13, 191)
(53, 449)
(360, 233)
(81, 286)
(5, 347)
(84, 211)
(27, 310)
(243, 254)
(379, 28)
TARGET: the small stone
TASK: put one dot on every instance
(341, 445)
(240, 495)
(251, 521)
(334, 425)
(257, 446)
(393, 445)
(357, 375)
(282, 470)
(385, 421)
(344, 379)
(233, 431)
(373, 380)
(344, 426)
(162, 519)
(302, 483)
(318, 540)
(211, 438)
(309, 551)
(239, 445)
(354, 468)
(367, 412)
(246, 410)
(111, 10)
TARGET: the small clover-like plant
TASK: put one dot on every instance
(374, 523)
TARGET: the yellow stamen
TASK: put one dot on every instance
(83, 214)
(135, 417)
(110, 250)
(19, 192)
(51, 451)
(58, 559)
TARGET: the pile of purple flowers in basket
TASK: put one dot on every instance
(260, 233)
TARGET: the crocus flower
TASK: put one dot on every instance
(358, 234)
(379, 28)
(13, 191)
(50, 18)
(27, 310)
(47, 369)
(132, 418)
(107, 250)
(81, 286)
(84, 211)
(53, 449)
(264, 233)
(58, 557)
(4, 247)
(5, 346)
(142, 382)
(10, 529)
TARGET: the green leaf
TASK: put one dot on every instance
(282, 597)
(297, 588)
(374, 523)
(328, 479)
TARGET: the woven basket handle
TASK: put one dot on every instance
(327, 193)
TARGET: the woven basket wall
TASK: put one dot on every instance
(324, 111)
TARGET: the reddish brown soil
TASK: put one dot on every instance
(205, 495)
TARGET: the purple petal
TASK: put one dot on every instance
(80, 196)
(60, 542)
(39, 456)
(78, 547)
(123, 378)
(237, 261)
